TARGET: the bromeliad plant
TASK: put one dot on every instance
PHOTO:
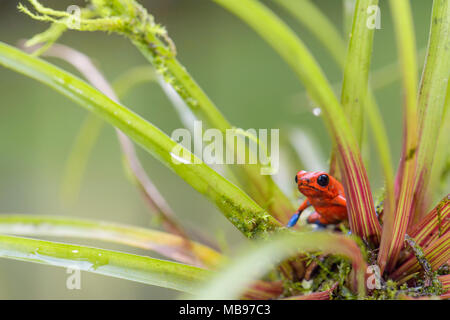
(399, 250)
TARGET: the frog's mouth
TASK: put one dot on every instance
(310, 188)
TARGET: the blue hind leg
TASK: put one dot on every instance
(293, 220)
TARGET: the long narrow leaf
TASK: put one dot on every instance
(166, 244)
(432, 96)
(357, 66)
(147, 270)
(441, 164)
(396, 221)
(237, 206)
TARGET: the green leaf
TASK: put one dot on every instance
(357, 66)
(169, 245)
(432, 95)
(396, 220)
(146, 270)
(439, 181)
(257, 260)
(237, 206)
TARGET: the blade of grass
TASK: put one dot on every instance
(237, 206)
(257, 260)
(362, 216)
(146, 270)
(432, 96)
(166, 244)
(396, 221)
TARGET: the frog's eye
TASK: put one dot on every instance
(323, 180)
(296, 179)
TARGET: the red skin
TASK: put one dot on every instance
(329, 201)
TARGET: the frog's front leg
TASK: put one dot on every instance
(305, 204)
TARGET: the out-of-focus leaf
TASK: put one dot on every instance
(307, 150)
(166, 244)
(257, 260)
(308, 14)
(88, 134)
(263, 290)
(127, 266)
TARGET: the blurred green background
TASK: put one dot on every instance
(246, 79)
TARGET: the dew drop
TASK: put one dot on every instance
(317, 112)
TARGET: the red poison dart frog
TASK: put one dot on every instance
(325, 194)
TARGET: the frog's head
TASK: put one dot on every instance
(316, 184)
